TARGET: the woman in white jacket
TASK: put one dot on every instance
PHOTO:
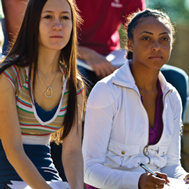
(134, 115)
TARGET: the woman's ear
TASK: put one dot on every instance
(130, 45)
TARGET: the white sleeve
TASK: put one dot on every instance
(101, 108)
(173, 167)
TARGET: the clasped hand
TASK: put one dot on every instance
(98, 62)
(148, 181)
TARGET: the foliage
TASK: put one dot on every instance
(178, 10)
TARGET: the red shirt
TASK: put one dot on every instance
(102, 19)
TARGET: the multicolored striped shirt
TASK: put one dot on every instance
(30, 123)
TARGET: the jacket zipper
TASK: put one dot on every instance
(171, 90)
(121, 159)
(145, 150)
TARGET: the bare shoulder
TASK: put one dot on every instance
(9, 127)
(5, 85)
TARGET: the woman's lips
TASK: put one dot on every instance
(56, 36)
(155, 57)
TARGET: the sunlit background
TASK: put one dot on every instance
(178, 10)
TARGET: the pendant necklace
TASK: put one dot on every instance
(49, 89)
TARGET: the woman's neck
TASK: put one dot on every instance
(145, 78)
(48, 60)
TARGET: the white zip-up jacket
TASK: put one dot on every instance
(117, 130)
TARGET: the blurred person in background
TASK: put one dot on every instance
(14, 11)
(99, 34)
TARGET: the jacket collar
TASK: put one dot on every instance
(124, 78)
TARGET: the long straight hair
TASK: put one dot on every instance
(26, 47)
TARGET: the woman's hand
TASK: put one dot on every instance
(187, 179)
(98, 62)
(148, 181)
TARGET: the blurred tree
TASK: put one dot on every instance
(178, 10)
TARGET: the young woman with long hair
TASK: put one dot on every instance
(41, 93)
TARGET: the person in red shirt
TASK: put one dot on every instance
(14, 11)
(99, 33)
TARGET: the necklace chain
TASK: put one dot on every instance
(49, 89)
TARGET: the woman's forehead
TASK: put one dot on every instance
(57, 5)
(155, 24)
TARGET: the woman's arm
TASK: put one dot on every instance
(173, 167)
(10, 135)
(101, 109)
(71, 152)
(14, 12)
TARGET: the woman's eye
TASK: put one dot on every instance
(48, 17)
(165, 39)
(65, 17)
(145, 38)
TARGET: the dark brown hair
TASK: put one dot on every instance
(26, 47)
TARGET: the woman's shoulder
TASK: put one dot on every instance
(107, 85)
(174, 99)
(104, 93)
(173, 92)
(16, 74)
(8, 62)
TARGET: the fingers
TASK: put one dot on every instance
(106, 69)
(157, 185)
(163, 175)
(98, 62)
(158, 182)
(186, 179)
(103, 68)
(109, 68)
(148, 181)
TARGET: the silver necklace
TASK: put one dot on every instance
(49, 89)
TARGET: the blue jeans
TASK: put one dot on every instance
(38, 154)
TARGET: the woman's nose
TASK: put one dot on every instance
(57, 25)
(155, 46)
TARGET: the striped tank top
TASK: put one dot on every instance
(32, 127)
